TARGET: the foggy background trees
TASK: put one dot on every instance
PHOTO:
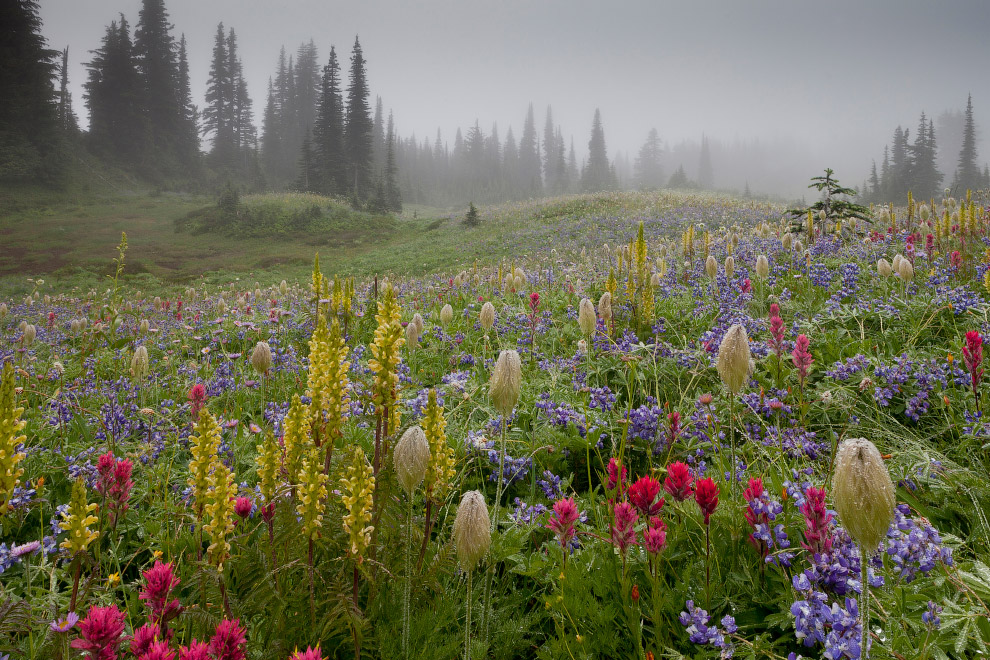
(326, 130)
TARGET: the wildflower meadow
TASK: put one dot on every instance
(636, 426)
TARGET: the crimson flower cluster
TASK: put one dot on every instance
(114, 484)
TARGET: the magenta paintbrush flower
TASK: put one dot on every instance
(114, 484)
(623, 529)
(801, 356)
(309, 654)
(197, 399)
(643, 495)
(776, 330)
(101, 633)
(158, 650)
(678, 481)
(565, 514)
(706, 495)
(817, 521)
(159, 581)
(655, 537)
(195, 651)
(973, 358)
(614, 480)
(228, 641)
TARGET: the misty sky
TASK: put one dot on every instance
(833, 79)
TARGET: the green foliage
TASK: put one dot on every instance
(472, 218)
(831, 204)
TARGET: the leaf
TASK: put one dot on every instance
(961, 639)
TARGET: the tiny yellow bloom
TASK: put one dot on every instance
(156, 555)
(580, 639)
(113, 580)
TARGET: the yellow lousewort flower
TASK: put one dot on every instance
(385, 359)
(317, 376)
(472, 530)
(586, 317)
(440, 472)
(77, 519)
(487, 317)
(863, 492)
(220, 508)
(734, 358)
(506, 382)
(356, 494)
(140, 364)
(269, 460)
(411, 458)
(312, 494)
(203, 446)
(296, 438)
(11, 439)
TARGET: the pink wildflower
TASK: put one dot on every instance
(228, 641)
(623, 529)
(143, 638)
(197, 399)
(159, 581)
(100, 633)
(195, 651)
(158, 651)
(614, 480)
(776, 330)
(655, 539)
(114, 483)
(673, 427)
(643, 494)
(565, 514)
(817, 521)
(753, 496)
(678, 481)
(243, 506)
(706, 495)
(309, 654)
(801, 357)
(972, 358)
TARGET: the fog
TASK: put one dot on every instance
(811, 85)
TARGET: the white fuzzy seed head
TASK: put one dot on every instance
(411, 457)
(730, 266)
(586, 317)
(734, 362)
(412, 336)
(140, 363)
(446, 315)
(261, 357)
(487, 317)
(884, 269)
(506, 382)
(905, 270)
(711, 266)
(762, 267)
(863, 492)
(472, 530)
(420, 324)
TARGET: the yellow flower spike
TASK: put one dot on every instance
(220, 508)
(269, 460)
(10, 439)
(389, 339)
(328, 380)
(440, 471)
(312, 494)
(204, 445)
(356, 494)
(77, 519)
(296, 438)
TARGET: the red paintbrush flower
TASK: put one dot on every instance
(643, 494)
(228, 641)
(565, 514)
(197, 399)
(706, 495)
(817, 521)
(678, 481)
(972, 358)
(159, 582)
(623, 529)
(101, 633)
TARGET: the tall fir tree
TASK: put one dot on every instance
(967, 171)
(706, 175)
(67, 121)
(900, 166)
(30, 137)
(925, 179)
(217, 114)
(357, 130)
(328, 131)
(188, 135)
(529, 159)
(649, 170)
(390, 173)
(113, 94)
(155, 56)
(598, 173)
(270, 139)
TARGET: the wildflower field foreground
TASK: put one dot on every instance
(660, 426)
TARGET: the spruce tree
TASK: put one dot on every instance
(67, 121)
(393, 196)
(926, 180)
(113, 93)
(188, 132)
(155, 57)
(967, 171)
(598, 174)
(217, 112)
(706, 176)
(270, 140)
(529, 159)
(649, 171)
(30, 139)
(328, 131)
(357, 130)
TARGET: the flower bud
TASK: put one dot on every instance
(730, 266)
(412, 336)
(411, 457)
(487, 317)
(734, 358)
(446, 315)
(506, 382)
(883, 268)
(787, 241)
(140, 363)
(472, 530)
(905, 270)
(863, 492)
(30, 332)
(144, 327)
(586, 317)
(261, 357)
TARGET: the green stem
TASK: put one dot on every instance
(408, 586)
(467, 622)
(865, 609)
